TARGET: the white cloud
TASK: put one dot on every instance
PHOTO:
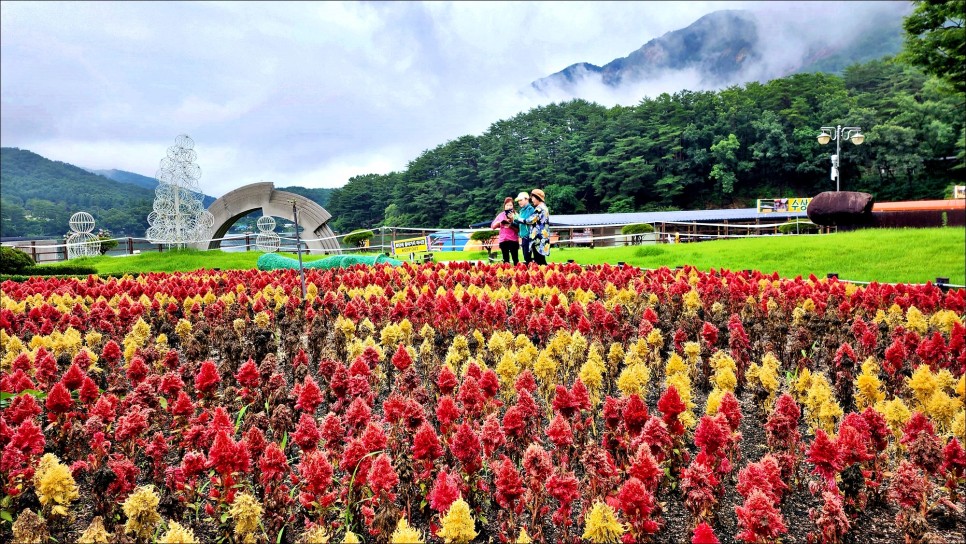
(311, 93)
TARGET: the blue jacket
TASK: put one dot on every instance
(520, 219)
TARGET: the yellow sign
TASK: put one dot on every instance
(768, 205)
(410, 245)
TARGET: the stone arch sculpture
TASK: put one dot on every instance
(263, 196)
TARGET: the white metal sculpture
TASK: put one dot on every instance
(81, 243)
(179, 216)
(267, 240)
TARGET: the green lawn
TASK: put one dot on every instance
(884, 255)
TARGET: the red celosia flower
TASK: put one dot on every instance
(658, 439)
(919, 438)
(358, 414)
(564, 487)
(637, 503)
(471, 396)
(465, 446)
(731, 409)
(105, 407)
(613, 412)
(426, 446)
(710, 435)
(21, 408)
(537, 463)
(490, 384)
(111, 353)
(509, 484)
(525, 382)
(831, 520)
(878, 428)
(137, 370)
(895, 356)
(645, 468)
(559, 432)
(255, 442)
(182, 405)
(315, 471)
(16, 382)
(307, 433)
(207, 378)
(699, 484)
(709, 333)
(446, 380)
(765, 476)
(825, 455)
(58, 399)
(332, 431)
(446, 413)
(382, 477)
(310, 397)
(273, 466)
(635, 414)
(401, 358)
(853, 443)
(444, 493)
(28, 438)
(704, 534)
(125, 477)
(671, 406)
(908, 486)
(759, 520)
(171, 383)
(514, 425)
(374, 437)
(782, 425)
(247, 374)
(74, 377)
(492, 436)
(954, 458)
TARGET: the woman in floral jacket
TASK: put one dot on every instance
(539, 224)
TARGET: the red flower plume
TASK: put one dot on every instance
(207, 379)
(426, 444)
(559, 432)
(704, 534)
(247, 374)
(509, 484)
(671, 406)
(310, 397)
(825, 455)
(307, 433)
(58, 399)
(382, 477)
(444, 493)
(401, 358)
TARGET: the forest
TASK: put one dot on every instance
(689, 150)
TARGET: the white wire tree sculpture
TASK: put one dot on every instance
(179, 217)
(80, 242)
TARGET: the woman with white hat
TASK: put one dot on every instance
(519, 219)
(539, 224)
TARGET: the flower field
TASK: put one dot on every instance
(464, 403)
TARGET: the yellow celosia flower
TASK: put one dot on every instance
(545, 369)
(507, 370)
(633, 380)
(725, 379)
(247, 513)
(923, 384)
(55, 485)
(895, 413)
(523, 537)
(366, 328)
(692, 302)
(942, 408)
(868, 387)
(458, 524)
(692, 350)
(714, 401)
(178, 534)
(958, 426)
(262, 320)
(592, 375)
(95, 533)
(943, 320)
(675, 365)
(316, 535)
(615, 356)
(655, 339)
(915, 321)
(404, 534)
(141, 509)
(601, 526)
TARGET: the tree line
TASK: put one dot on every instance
(687, 150)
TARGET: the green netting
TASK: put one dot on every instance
(273, 261)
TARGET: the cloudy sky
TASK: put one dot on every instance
(312, 93)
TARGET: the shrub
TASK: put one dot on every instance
(107, 241)
(14, 261)
(637, 228)
(59, 270)
(483, 235)
(799, 227)
(357, 238)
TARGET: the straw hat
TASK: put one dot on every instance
(539, 194)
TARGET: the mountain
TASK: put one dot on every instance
(730, 47)
(319, 196)
(141, 181)
(38, 196)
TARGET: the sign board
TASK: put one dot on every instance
(410, 245)
(959, 191)
(768, 205)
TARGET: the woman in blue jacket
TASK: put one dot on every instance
(526, 210)
(539, 224)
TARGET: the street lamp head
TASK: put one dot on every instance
(858, 138)
(824, 138)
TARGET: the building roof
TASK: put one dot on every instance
(609, 219)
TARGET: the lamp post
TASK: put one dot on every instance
(836, 133)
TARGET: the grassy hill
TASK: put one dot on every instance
(141, 181)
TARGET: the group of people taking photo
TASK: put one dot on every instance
(526, 226)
